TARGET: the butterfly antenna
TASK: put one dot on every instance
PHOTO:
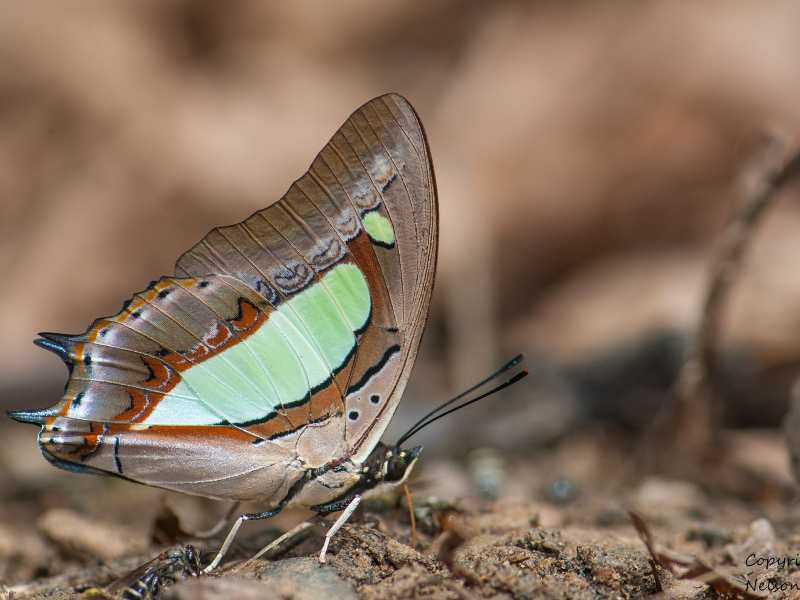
(509, 365)
(424, 422)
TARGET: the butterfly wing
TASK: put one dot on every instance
(282, 343)
(402, 224)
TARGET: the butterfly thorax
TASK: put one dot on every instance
(326, 489)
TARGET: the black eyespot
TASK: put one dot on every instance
(353, 415)
(374, 398)
(203, 284)
(395, 469)
(136, 314)
(87, 360)
(163, 293)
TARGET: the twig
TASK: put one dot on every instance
(690, 567)
(689, 422)
(700, 366)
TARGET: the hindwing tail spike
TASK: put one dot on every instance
(57, 343)
(63, 354)
(34, 417)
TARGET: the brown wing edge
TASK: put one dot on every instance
(368, 441)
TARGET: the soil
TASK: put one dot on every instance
(67, 536)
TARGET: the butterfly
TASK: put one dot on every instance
(148, 579)
(268, 367)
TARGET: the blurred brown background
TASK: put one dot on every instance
(587, 155)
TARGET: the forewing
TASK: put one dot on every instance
(368, 200)
(381, 161)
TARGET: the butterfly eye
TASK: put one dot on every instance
(395, 469)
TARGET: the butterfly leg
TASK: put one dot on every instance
(234, 529)
(351, 507)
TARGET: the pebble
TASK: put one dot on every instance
(760, 542)
(656, 493)
(223, 589)
(77, 534)
(306, 579)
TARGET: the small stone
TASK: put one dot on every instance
(760, 544)
(78, 535)
(223, 589)
(686, 590)
(400, 555)
(306, 579)
(622, 570)
(542, 539)
(656, 493)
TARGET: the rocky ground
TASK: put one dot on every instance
(68, 536)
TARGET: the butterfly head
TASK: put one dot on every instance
(398, 463)
(388, 466)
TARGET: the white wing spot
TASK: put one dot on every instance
(382, 170)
